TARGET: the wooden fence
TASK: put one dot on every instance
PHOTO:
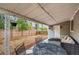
(16, 33)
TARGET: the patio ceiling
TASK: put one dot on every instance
(47, 13)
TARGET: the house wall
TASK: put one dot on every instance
(59, 30)
(75, 32)
(50, 32)
(54, 32)
(64, 28)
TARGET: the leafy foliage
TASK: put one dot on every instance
(1, 23)
(42, 28)
(29, 26)
(22, 25)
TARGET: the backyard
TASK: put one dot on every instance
(22, 31)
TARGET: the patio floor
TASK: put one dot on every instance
(28, 41)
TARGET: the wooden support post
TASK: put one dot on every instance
(6, 35)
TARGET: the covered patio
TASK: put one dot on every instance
(58, 17)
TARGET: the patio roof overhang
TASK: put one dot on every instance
(45, 13)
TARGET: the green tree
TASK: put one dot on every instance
(22, 25)
(45, 28)
(1, 22)
(29, 26)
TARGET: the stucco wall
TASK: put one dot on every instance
(75, 32)
(54, 32)
(64, 28)
(59, 30)
(50, 32)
